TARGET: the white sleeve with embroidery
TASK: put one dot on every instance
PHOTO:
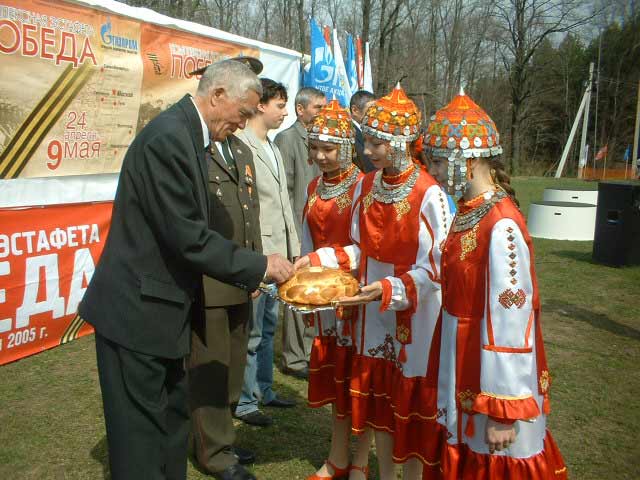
(508, 369)
(435, 220)
(327, 255)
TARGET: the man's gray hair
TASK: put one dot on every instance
(235, 77)
(306, 94)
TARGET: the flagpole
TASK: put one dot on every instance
(368, 79)
(634, 153)
(626, 164)
(360, 60)
(585, 125)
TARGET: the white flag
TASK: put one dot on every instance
(368, 79)
(341, 71)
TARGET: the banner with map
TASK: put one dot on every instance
(77, 84)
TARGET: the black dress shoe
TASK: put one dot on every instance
(256, 418)
(281, 403)
(234, 472)
(244, 455)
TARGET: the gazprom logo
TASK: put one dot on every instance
(116, 41)
(324, 65)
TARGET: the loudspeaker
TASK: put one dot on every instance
(617, 235)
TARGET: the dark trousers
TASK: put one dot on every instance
(216, 372)
(297, 340)
(145, 413)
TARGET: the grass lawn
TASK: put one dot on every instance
(51, 424)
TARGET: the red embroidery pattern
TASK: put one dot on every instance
(387, 349)
(330, 332)
(509, 298)
(340, 340)
(444, 213)
(512, 264)
(466, 400)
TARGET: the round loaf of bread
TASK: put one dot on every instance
(318, 286)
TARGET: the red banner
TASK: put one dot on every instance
(326, 31)
(47, 258)
(360, 61)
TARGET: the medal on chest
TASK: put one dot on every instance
(248, 179)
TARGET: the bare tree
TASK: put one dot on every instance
(366, 19)
(334, 8)
(390, 20)
(526, 24)
(302, 44)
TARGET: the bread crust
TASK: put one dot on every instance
(318, 286)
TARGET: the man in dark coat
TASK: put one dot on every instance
(358, 107)
(147, 288)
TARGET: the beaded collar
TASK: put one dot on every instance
(469, 219)
(399, 192)
(327, 191)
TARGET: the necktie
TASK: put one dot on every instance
(226, 153)
(207, 155)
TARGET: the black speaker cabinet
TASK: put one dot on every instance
(617, 235)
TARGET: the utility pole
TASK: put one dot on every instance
(634, 154)
(574, 129)
(594, 147)
(582, 161)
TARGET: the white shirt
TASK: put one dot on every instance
(205, 129)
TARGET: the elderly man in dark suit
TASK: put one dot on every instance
(147, 288)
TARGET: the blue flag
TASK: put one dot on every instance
(323, 73)
(627, 154)
(351, 65)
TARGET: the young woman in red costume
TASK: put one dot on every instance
(399, 221)
(326, 223)
(493, 390)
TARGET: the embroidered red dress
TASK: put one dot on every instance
(397, 242)
(489, 351)
(326, 223)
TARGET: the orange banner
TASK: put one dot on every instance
(169, 56)
(598, 173)
(47, 258)
(77, 84)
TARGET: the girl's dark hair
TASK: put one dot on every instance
(501, 178)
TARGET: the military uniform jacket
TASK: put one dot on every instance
(234, 213)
